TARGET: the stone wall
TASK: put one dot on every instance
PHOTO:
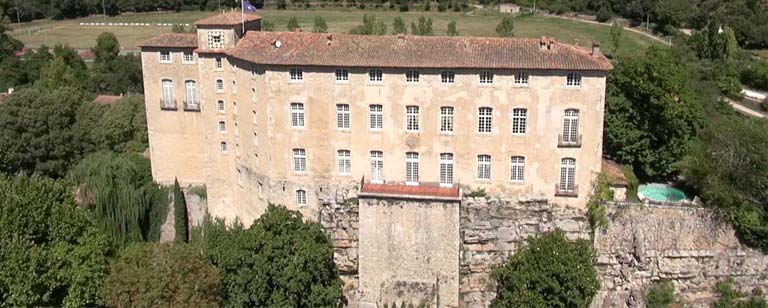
(341, 222)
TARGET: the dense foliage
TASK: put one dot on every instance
(180, 214)
(506, 27)
(651, 112)
(51, 252)
(113, 73)
(660, 295)
(370, 26)
(731, 298)
(550, 272)
(162, 275)
(280, 261)
(422, 27)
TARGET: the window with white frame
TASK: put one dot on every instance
(297, 114)
(446, 119)
(165, 56)
(446, 169)
(412, 76)
(412, 168)
(342, 75)
(375, 75)
(484, 120)
(222, 127)
(169, 100)
(219, 86)
(517, 169)
(447, 77)
(215, 40)
(190, 90)
(412, 118)
(344, 158)
(342, 116)
(218, 64)
(301, 197)
(573, 80)
(483, 167)
(521, 79)
(223, 146)
(376, 117)
(296, 74)
(486, 78)
(299, 161)
(571, 126)
(377, 167)
(567, 174)
(221, 106)
(519, 121)
(188, 57)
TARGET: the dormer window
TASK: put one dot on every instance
(218, 64)
(573, 80)
(216, 40)
(165, 56)
(297, 74)
(486, 78)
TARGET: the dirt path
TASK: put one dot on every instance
(744, 110)
(646, 34)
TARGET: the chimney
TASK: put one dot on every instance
(329, 38)
(545, 43)
(596, 49)
(400, 39)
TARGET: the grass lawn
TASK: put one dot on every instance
(476, 23)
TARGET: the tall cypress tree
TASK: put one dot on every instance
(181, 218)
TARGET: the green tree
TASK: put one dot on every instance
(604, 14)
(181, 214)
(8, 44)
(651, 112)
(66, 69)
(118, 188)
(119, 127)
(319, 25)
(398, 26)
(370, 26)
(550, 272)
(51, 252)
(167, 275)
(660, 295)
(506, 27)
(452, 29)
(107, 48)
(114, 73)
(617, 34)
(424, 27)
(280, 261)
(293, 24)
(671, 14)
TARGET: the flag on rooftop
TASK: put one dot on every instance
(248, 7)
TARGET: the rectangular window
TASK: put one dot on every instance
(344, 158)
(301, 197)
(567, 175)
(188, 57)
(377, 167)
(342, 75)
(412, 118)
(571, 126)
(215, 40)
(375, 75)
(376, 117)
(218, 64)
(521, 79)
(342, 116)
(519, 121)
(169, 100)
(190, 90)
(412, 76)
(484, 120)
(165, 56)
(446, 169)
(222, 127)
(446, 119)
(517, 169)
(483, 167)
(412, 168)
(447, 77)
(219, 86)
(573, 80)
(486, 78)
(223, 146)
(297, 114)
(221, 107)
(296, 74)
(299, 161)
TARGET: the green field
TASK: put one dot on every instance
(475, 23)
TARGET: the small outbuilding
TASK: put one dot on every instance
(617, 182)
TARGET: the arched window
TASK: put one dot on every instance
(301, 197)
(190, 90)
(169, 99)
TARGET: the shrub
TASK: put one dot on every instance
(506, 27)
(601, 194)
(404, 6)
(293, 24)
(282, 4)
(267, 25)
(756, 75)
(764, 104)
(200, 191)
(550, 272)
(604, 14)
(660, 295)
(180, 213)
(732, 298)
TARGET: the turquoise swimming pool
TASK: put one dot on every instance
(660, 193)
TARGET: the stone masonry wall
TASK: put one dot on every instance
(341, 222)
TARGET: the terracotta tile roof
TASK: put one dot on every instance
(423, 191)
(227, 19)
(614, 173)
(319, 49)
(107, 99)
(181, 40)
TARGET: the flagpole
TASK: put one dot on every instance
(242, 14)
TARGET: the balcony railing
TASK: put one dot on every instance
(167, 104)
(191, 106)
(572, 191)
(568, 142)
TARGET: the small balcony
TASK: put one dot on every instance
(568, 142)
(192, 106)
(566, 191)
(167, 104)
